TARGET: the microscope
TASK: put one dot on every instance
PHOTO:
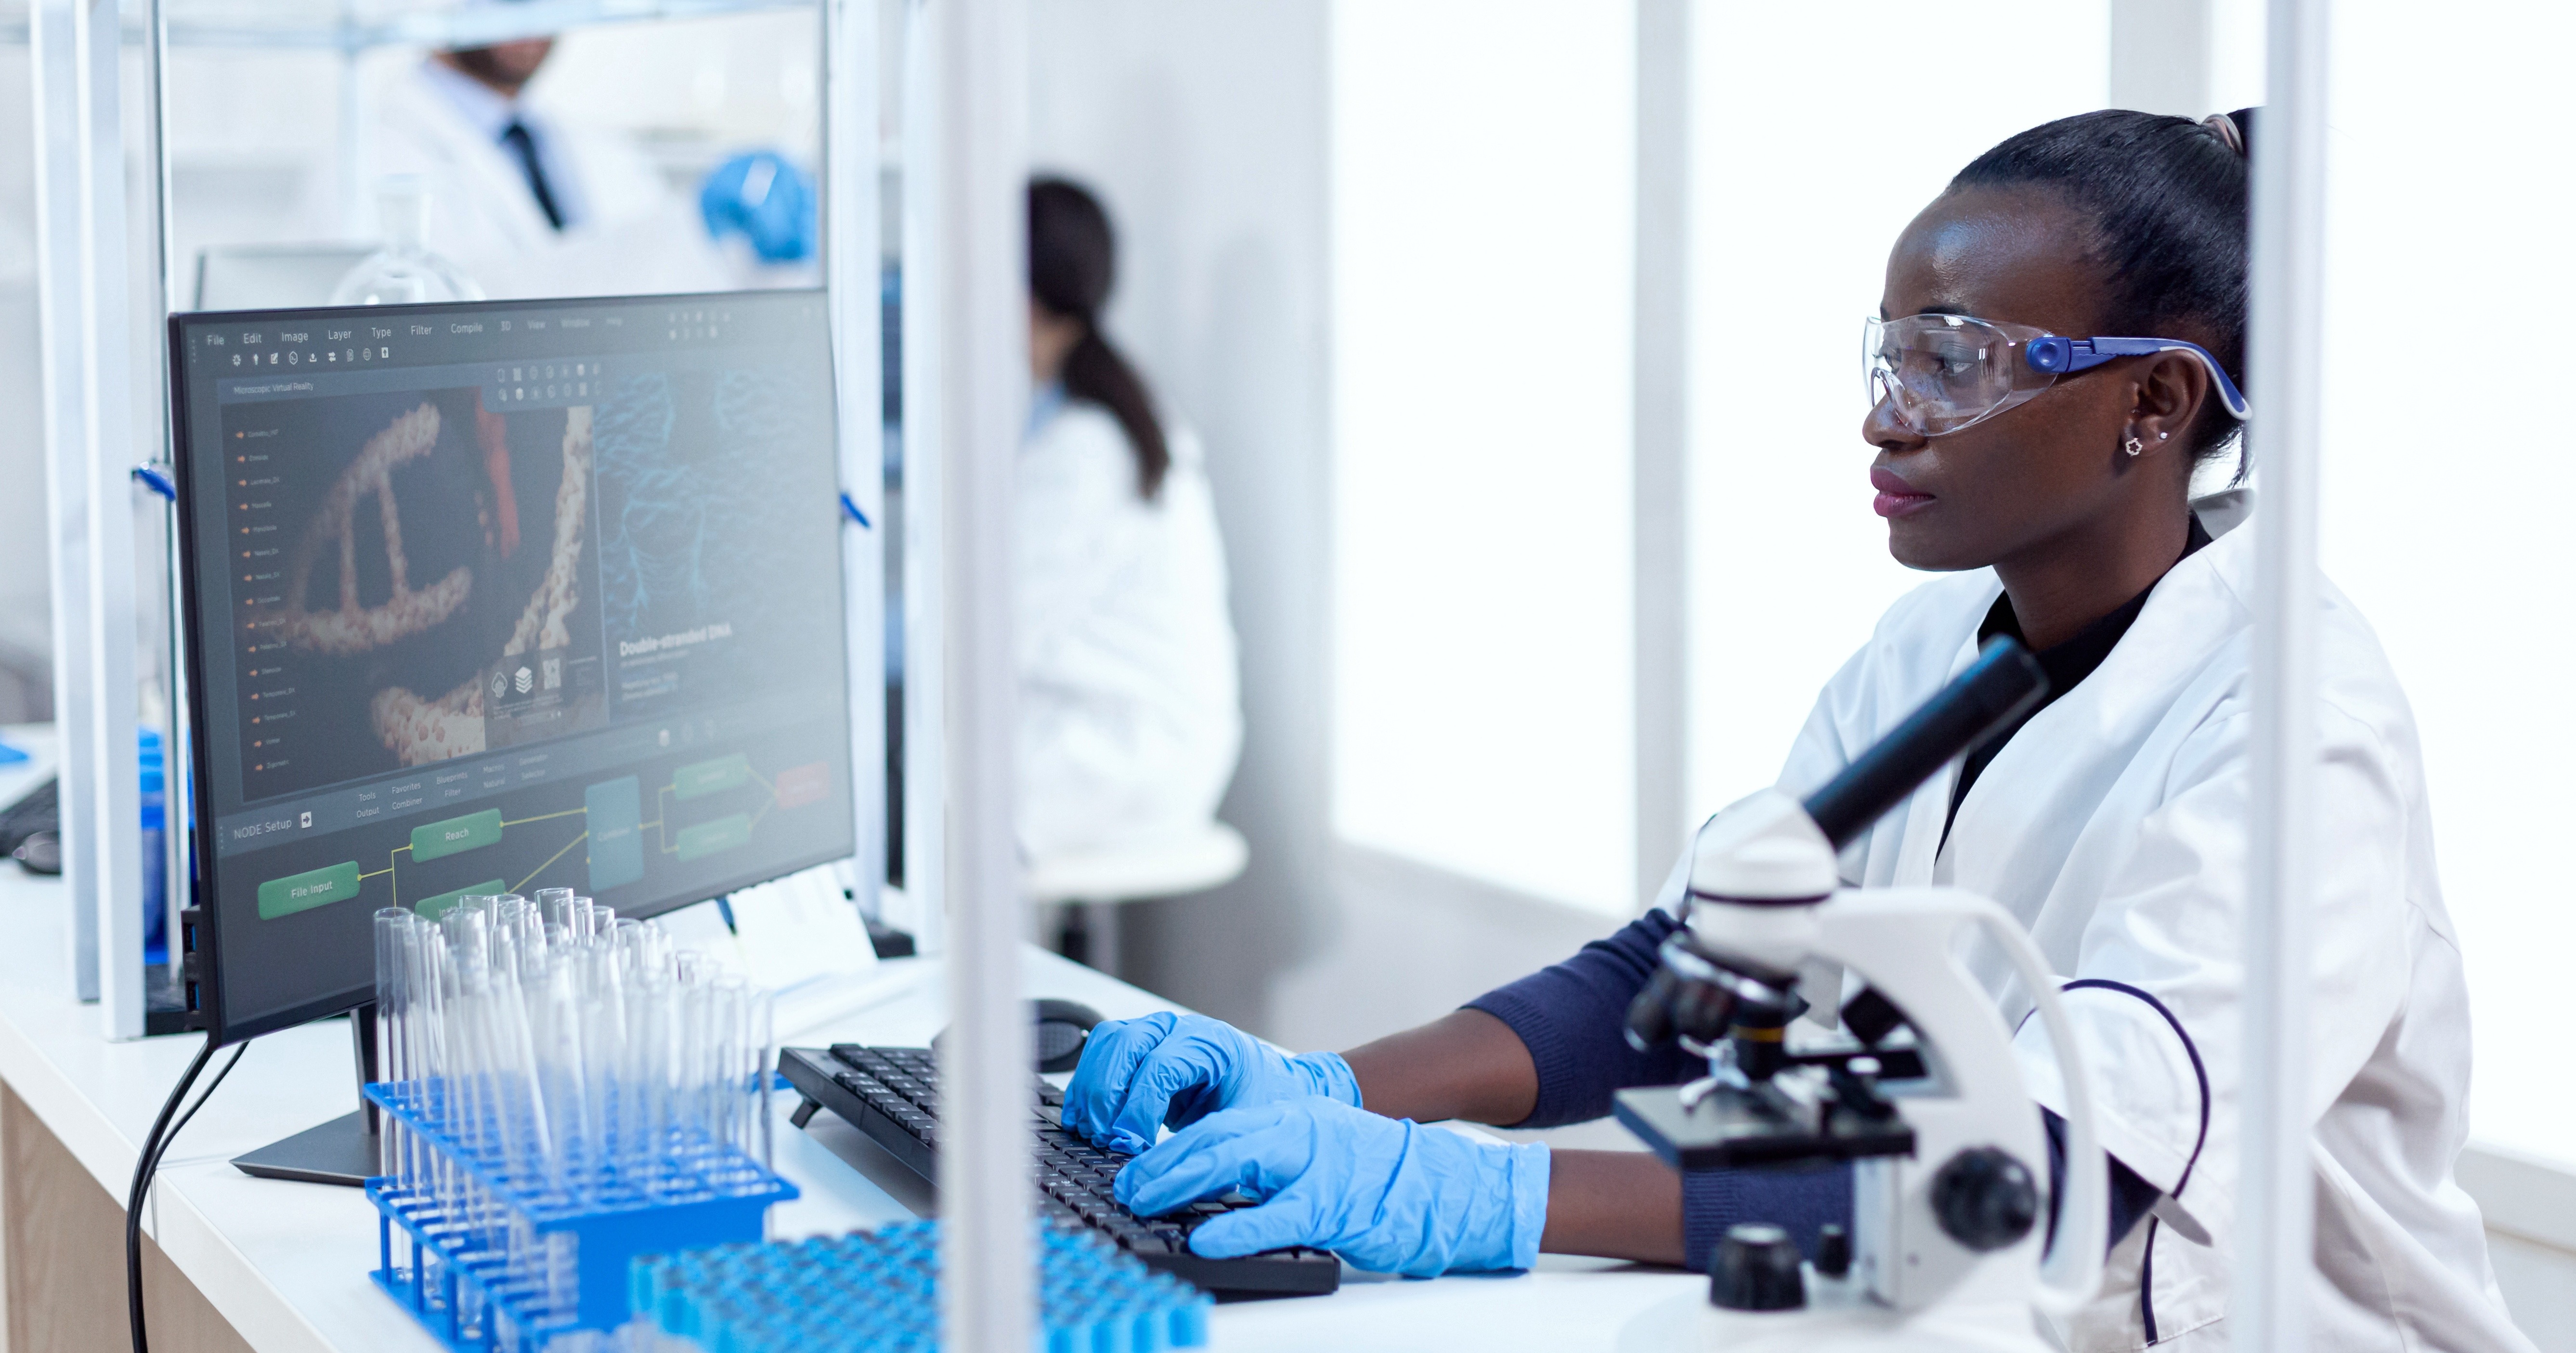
(1912, 1080)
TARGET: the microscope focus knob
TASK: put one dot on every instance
(1756, 1269)
(1833, 1250)
(1985, 1199)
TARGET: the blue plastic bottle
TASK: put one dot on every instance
(156, 860)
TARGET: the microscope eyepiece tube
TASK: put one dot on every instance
(2003, 683)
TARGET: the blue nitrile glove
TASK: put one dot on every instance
(766, 200)
(1138, 1075)
(1387, 1194)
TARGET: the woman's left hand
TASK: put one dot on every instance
(1387, 1194)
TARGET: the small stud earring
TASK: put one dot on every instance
(2162, 435)
(2133, 446)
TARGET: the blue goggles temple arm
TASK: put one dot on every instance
(2065, 356)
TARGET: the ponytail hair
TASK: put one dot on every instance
(2167, 199)
(1072, 262)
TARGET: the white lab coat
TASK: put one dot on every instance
(1129, 719)
(2113, 825)
(633, 233)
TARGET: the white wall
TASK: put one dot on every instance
(2442, 514)
(1483, 232)
(1202, 128)
(1206, 130)
(1821, 131)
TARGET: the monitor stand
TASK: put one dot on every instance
(342, 1151)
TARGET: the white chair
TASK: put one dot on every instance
(1090, 885)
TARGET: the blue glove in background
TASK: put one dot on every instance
(1139, 1075)
(1387, 1194)
(767, 200)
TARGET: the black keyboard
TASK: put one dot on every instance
(39, 811)
(892, 1095)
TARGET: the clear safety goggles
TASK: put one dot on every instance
(1947, 372)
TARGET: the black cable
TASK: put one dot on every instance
(202, 1096)
(148, 1161)
(143, 1161)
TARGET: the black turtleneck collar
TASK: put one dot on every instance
(2067, 664)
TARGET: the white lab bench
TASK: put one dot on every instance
(285, 1265)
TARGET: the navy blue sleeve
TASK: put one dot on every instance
(1571, 1017)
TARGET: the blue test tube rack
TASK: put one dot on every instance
(878, 1292)
(576, 1242)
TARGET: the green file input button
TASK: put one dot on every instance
(456, 835)
(304, 892)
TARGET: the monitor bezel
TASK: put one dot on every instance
(204, 947)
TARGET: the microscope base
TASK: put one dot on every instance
(1833, 1322)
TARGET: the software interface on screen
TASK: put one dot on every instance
(495, 598)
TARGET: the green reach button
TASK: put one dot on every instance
(456, 835)
(709, 777)
(304, 892)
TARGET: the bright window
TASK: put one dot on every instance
(1821, 131)
(1482, 219)
(2438, 517)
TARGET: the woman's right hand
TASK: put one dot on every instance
(1140, 1075)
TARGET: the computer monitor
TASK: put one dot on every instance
(495, 597)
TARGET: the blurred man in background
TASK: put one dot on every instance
(532, 202)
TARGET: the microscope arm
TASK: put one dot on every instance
(1883, 934)
(2071, 1273)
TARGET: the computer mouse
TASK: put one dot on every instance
(42, 853)
(1063, 1028)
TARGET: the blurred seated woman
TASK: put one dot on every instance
(1129, 724)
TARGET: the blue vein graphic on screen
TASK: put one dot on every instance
(691, 470)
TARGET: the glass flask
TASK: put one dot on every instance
(404, 272)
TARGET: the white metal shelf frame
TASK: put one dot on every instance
(327, 25)
(2276, 1185)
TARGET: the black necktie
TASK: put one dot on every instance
(523, 145)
